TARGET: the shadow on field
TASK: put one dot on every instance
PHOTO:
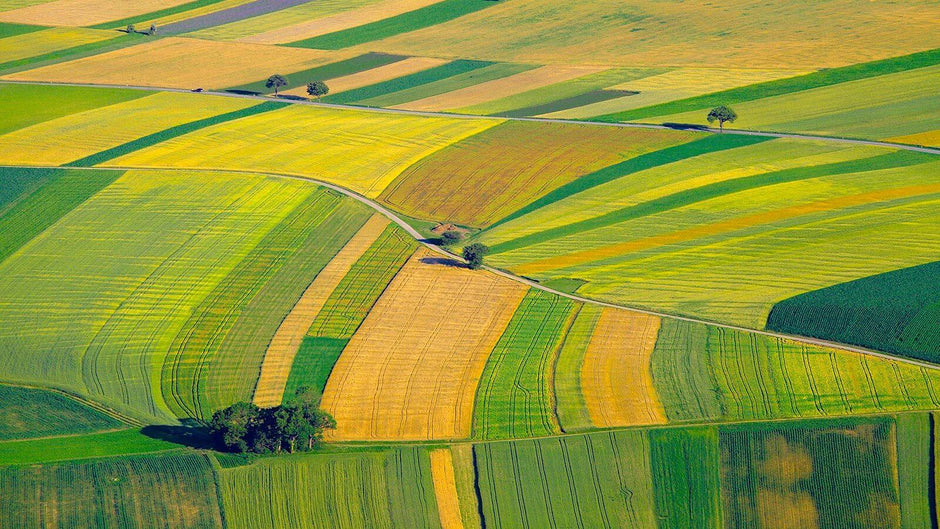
(292, 97)
(193, 436)
(444, 261)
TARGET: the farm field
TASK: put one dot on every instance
(225, 304)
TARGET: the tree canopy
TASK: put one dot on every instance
(276, 82)
(722, 114)
(474, 254)
(317, 89)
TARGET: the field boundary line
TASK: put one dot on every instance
(739, 132)
(534, 284)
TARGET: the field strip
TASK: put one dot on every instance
(375, 75)
(534, 284)
(445, 489)
(338, 22)
(738, 132)
(84, 12)
(279, 357)
(225, 16)
(616, 378)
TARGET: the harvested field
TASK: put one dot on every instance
(225, 16)
(279, 356)
(484, 178)
(83, 12)
(362, 151)
(616, 377)
(376, 75)
(411, 371)
(514, 84)
(41, 42)
(445, 489)
(306, 28)
(182, 63)
(76, 136)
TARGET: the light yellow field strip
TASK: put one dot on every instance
(616, 377)
(445, 489)
(177, 62)
(612, 250)
(348, 19)
(412, 369)
(84, 12)
(499, 88)
(46, 41)
(375, 75)
(279, 357)
(928, 139)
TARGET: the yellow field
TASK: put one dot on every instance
(730, 33)
(7, 5)
(412, 369)
(181, 63)
(363, 151)
(46, 41)
(69, 138)
(375, 75)
(499, 88)
(84, 12)
(340, 21)
(616, 377)
(445, 489)
(929, 139)
(279, 356)
(677, 84)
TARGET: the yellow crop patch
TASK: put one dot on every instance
(929, 139)
(376, 75)
(279, 356)
(499, 88)
(83, 12)
(337, 22)
(412, 369)
(47, 41)
(180, 63)
(616, 375)
(363, 151)
(72, 137)
(445, 489)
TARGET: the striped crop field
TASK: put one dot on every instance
(132, 491)
(492, 174)
(181, 63)
(690, 238)
(25, 105)
(709, 373)
(345, 309)
(379, 74)
(411, 371)
(515, 396)
(69, 138)
(895, 311)
(106, 337)
(82, 12)
(297, 80)
(49, 40)
(29, 412)
(362, 151)
(279, 356)
(570, 405)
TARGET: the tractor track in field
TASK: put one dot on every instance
(391, 215)
(738, 132)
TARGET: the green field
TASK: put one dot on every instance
(28, 412)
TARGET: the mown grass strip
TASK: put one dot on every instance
(780, 87)
(172, 132)
(9, 29)
(684, 151)
(153, 15)
(120, 442)
(326, 72)
(424, 17)
(431, 75)
(580, 100)
(706, 192)
(61, 192)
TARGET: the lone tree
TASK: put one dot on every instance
(131, 29)
(722, 114)
(317, 89)
(153, 29)
(474, 254)
(276, 81)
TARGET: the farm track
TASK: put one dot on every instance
(421, 239)
(739, 132)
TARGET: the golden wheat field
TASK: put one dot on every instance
(83, 12)
(445, 489)
(411, 371)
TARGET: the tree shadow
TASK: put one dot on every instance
(685, 126)
(244, 92)
(191, 435)
(444, 261)
(291, 97)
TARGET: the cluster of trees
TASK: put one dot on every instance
(295, 426)
(317, 89)
(474, 254)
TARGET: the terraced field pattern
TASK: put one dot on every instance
(675, 325)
